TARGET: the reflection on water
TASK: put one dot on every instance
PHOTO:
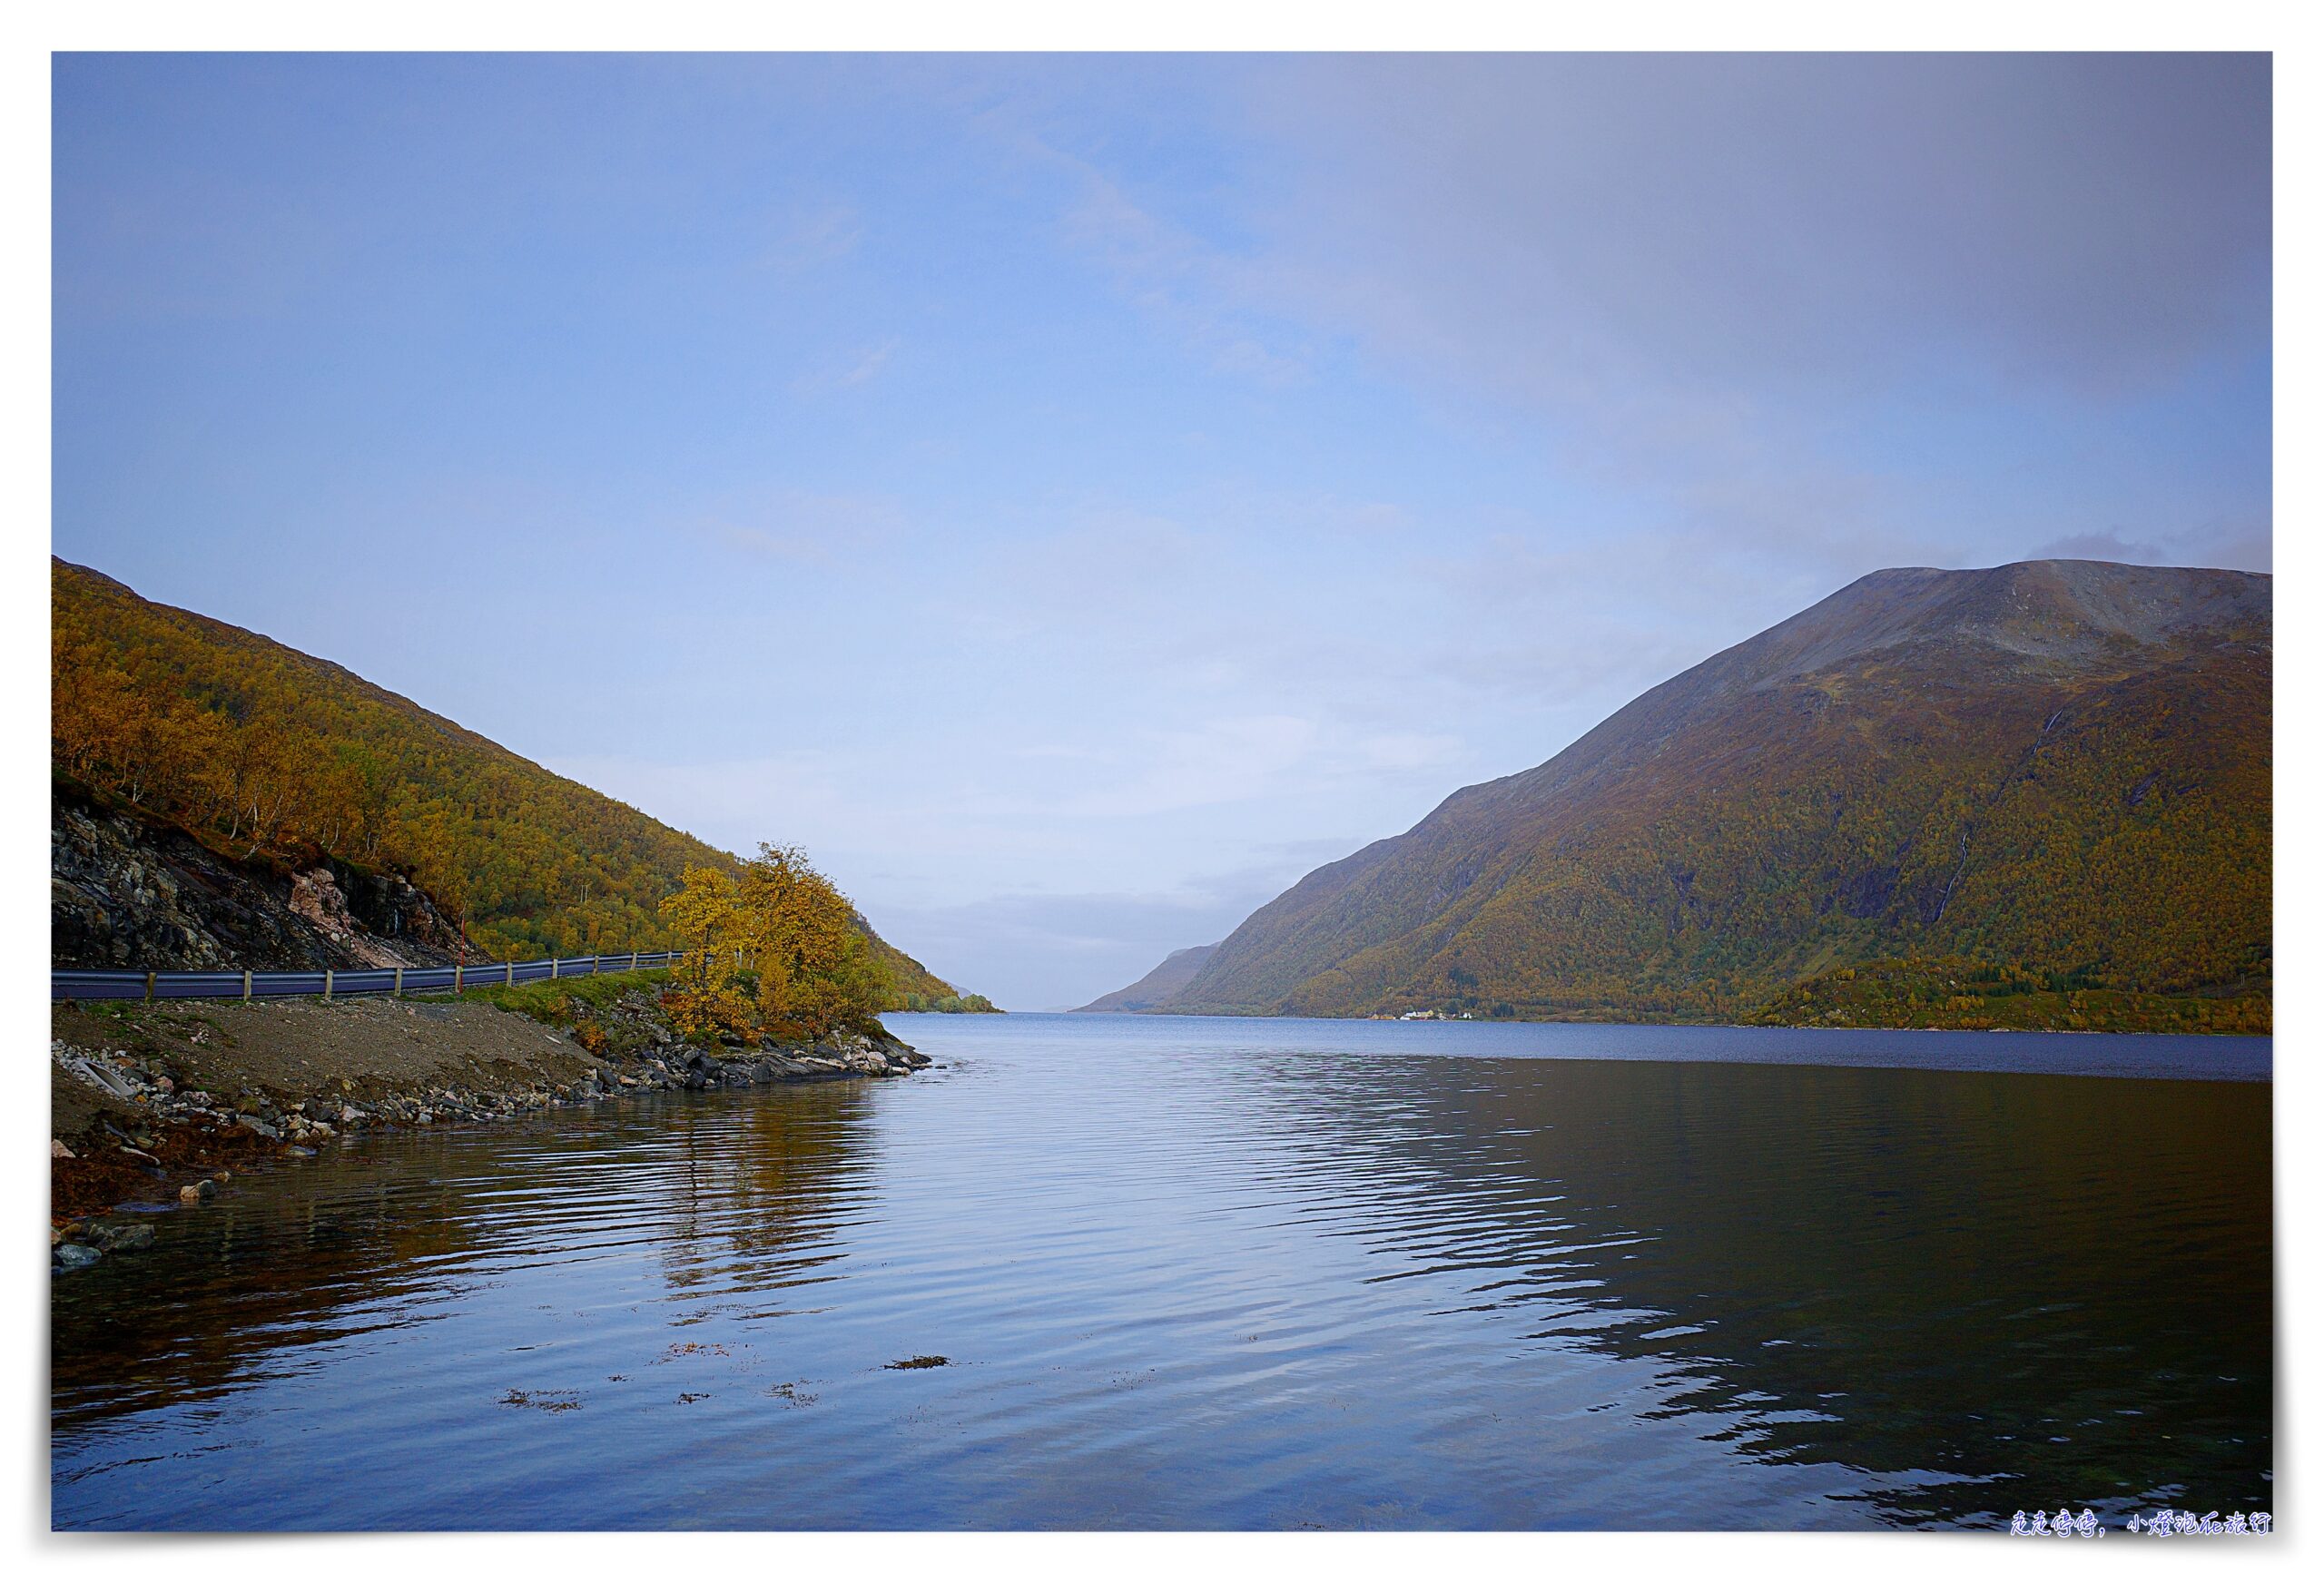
(1206, 1275)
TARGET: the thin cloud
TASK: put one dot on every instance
(802, 527)
(1204, 295)
(2102, 546)
(851, 370)
(802, 237)
(869, 361)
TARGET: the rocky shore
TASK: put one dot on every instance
(152, 1107)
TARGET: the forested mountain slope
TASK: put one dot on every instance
(2061, 768)
(1155, 990)
(273, 758)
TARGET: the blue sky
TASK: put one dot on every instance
(1076, 497)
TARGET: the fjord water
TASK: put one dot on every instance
(1228, 1272)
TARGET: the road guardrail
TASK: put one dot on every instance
(331, 983)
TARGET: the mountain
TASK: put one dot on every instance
(2059, 771)
(282, 765)
(1176, 971)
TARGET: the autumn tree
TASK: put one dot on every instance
(91, 702)
(775, 949)
(816, 970)
(705, 998)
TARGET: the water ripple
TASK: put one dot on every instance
(1199, 1275)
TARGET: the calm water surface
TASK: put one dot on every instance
(1219, 1273)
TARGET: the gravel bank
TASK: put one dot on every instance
(148, 1103)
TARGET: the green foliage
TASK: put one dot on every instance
(560, 1002)
(576, 1005)
(915, 1001)
(267, 753)
(1963, 993)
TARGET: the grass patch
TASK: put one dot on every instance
(556, 999)
(575, 1005)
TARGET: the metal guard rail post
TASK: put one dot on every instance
(325, 983)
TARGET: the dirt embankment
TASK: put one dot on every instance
(149, 1102)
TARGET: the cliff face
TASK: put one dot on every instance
(124, 892)
(2061, 767)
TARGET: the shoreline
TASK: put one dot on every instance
(1815, 1027)
(152, 1104)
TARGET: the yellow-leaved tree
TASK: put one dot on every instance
(776, 950)
(704, 999)
(816, 969)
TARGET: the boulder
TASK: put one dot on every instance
(113, 1236)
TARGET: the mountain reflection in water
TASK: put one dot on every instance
(1217, 1274)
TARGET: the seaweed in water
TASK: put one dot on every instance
(546, 1400)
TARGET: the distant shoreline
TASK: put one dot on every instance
(1656, 1022)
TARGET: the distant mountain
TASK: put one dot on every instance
(278, 761)
(2060, 770)
(1176, 971)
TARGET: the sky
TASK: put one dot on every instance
(1076, 497)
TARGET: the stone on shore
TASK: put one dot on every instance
(195, 1119)
(114, 1237)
